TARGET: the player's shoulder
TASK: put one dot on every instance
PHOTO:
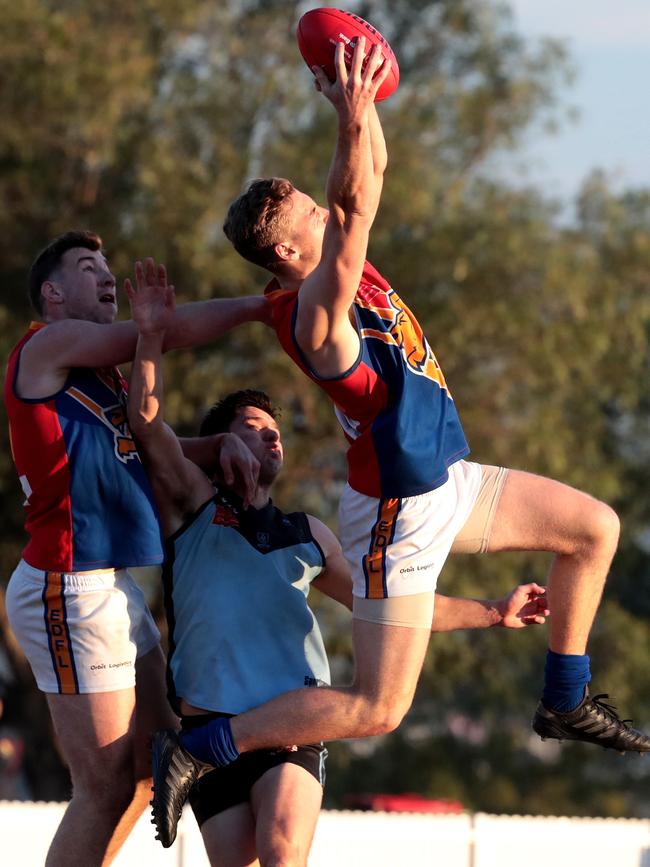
(323, 535)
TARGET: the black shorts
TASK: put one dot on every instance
(231, 785)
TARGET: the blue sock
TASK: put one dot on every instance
(565, 679)
(212, 743)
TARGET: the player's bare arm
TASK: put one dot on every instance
(335, 580)
(179, 486)
(323, 329)
(227, 458)
(72, 342)
(378, 149)
(526, 605)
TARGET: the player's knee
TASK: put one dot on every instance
(111, 788)
(111, 797)
(283, 852)
(602, 528)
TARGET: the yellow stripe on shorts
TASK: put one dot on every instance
(374, 562)
(58, 634)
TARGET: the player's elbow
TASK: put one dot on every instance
(388, 719)
(140, 425)
(381, 717)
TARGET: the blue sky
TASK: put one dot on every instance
(609, 43)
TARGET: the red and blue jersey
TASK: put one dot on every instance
(88, 502)
(393, 404)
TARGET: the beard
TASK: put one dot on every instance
(269, 470)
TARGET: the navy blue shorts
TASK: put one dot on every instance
(226, 787)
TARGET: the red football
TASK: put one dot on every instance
(318, 32)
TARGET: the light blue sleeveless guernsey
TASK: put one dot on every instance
(236, 584)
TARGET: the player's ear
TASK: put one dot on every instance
(285, 252)
(52, 292)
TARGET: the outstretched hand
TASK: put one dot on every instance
(357, 87)
(152, 299)
(526, 605)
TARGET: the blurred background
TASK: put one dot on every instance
(528, 266)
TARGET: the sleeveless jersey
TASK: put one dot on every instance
(393, 403)
(88, 502)
(235, 585)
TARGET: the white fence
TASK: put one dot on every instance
(352, 839)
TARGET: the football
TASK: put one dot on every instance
(318, 32)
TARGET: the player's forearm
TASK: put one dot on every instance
(146, 386)
(377, 144)
(203, 451)
(351, 187)
(204, 321)
(454, 613)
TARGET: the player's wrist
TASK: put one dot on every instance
(497, 612)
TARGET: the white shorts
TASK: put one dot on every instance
(397, 547)
(80, 631)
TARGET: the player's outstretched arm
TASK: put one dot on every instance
(48, 356)
(323, 330)
(179, 486)
(526, 605)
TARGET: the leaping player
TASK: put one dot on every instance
(412, 497)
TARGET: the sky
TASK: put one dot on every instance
(609, 44)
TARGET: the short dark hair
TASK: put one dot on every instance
(220, 416)
(257, 220)
(49, 259)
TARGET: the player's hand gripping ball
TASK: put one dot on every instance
(319, 30)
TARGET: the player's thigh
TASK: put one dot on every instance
(539, 514)
(96, 735)
(286, 801)
(229, 837)
(388, 661)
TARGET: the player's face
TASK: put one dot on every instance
(307, 225)
(88, 286)
(261, 434)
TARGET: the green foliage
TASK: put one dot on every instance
(142, 121)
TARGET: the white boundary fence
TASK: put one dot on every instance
(355, 839)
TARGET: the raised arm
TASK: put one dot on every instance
(48, 356)
(378, 148)
(323, 330)
(179, 486)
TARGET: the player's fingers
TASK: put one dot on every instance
(532, 588)
(380, 76)
(375, 59)
(128, 288)
(357, 58)
(139, 274)
(339, 63)
(149, 271)
(227, 470)
(252, 478)
(162, 275)
(321, 81)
